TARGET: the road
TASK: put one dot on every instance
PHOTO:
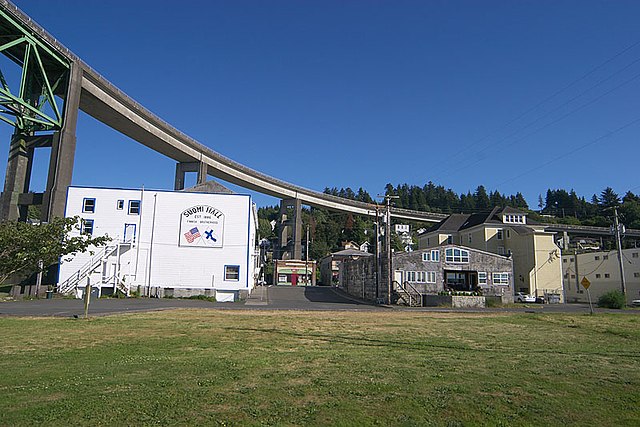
(263, 298)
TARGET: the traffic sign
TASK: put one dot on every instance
(585, 282)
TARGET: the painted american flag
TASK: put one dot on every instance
(192, 234)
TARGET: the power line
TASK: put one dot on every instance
(536, 106)
(559, 119)
(575, 150)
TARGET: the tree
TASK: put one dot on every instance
(23, 245)
(609, 198)
(264, 229)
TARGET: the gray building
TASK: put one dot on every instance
(430, 271)
(330, 265)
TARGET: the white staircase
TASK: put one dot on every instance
(70, 285)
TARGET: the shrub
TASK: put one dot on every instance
(612, 299)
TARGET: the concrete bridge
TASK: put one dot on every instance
(66, 76)
(93, 94)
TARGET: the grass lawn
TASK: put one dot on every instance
(321, 368)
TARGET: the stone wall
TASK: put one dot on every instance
(358, 278)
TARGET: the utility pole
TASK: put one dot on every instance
(387, 245)
(306, 258)
(618, 230)
(377, 253)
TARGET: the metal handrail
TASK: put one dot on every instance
(420, 294)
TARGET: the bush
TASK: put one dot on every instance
(612, 299)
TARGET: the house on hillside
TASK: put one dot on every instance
(506, 231)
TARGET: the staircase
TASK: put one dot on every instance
(407, 294)
(71, 284)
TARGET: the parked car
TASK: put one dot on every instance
(635, 303)
(522, 297)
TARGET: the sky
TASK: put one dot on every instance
(518, 96)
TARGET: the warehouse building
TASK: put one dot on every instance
(164, 243)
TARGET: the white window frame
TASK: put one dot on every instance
(500, 279)
(87, 226)
(120, 204)
(431, 256)
(431, 277)
(229, 273)
(130, 207)
(462, 256)
(87, 209)
(501, 250)
(482, 277)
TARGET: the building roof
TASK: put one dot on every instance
(211, 186)
(350, 252)
(452, 223)
(458, 222)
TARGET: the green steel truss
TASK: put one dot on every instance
(32, 106)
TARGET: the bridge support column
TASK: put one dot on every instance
(290, 229)
(16, 198)
(17, 178)
(183, 167)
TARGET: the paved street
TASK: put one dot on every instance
(263, 298)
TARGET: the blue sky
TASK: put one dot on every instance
(514, 95)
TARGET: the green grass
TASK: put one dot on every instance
(321, 368)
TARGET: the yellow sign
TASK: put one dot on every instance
(585, 282)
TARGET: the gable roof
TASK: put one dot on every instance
(459, 222)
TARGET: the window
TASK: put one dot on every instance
(469, 237)
(87, 227)
(501, 250)
(120, 205)
(456, 255)
(605, 257)
(566, 275)
(434, 256)
(499, 234)
(634, 255)
(482, 277)
(597, 258)
(134, 207)
(513, 219)
(431, 276)
(636, 274)
(564, 260)
(416, 276)
(500, 278)
(449, 239)
(232, 273)
(508, 233)
(598, 275)
(89, 205)
(606, 275)
(573, 276)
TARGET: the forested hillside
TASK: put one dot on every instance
(329, 229)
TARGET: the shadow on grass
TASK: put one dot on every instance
(374, 342)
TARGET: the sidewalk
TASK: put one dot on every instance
(259, 296)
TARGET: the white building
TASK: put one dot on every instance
(165, 243)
